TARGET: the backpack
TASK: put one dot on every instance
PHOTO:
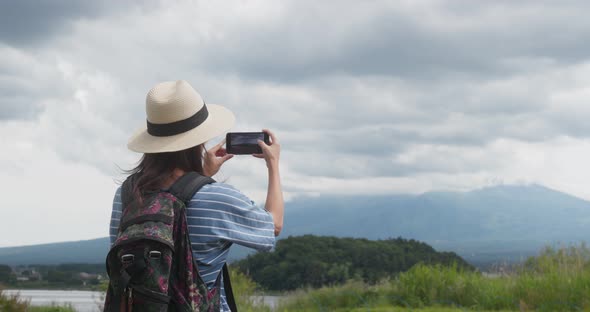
(150, 264)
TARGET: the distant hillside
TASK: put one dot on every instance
(320, 260)
(86, 251)
(503, 223)
(503, 213)
(491, 224)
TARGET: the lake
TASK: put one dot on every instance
(82, 301)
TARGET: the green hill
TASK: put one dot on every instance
(322, 260)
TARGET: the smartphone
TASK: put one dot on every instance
(243, 143)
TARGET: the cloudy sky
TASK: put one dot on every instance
(367, 97)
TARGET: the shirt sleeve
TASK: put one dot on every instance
(220, 211)
(115, 216)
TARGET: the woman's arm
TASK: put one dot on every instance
(274, 196)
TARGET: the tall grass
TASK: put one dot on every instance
(13, 303)
(245, 291)
(555, 280)
(52, 308)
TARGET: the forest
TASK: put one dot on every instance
(316, 261)
(62, 276)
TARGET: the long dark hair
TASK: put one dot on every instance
(155, 168)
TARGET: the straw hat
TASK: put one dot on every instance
(177, 119)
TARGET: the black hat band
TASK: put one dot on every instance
(178, 127)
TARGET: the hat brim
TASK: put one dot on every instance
(219, 121)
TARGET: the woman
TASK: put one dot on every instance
(179, 123)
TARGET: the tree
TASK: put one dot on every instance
(7, 276)
(55, 276)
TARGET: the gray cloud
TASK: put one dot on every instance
(374, 38)
(16, 99)
(27, 23)
(361, 88)
(17, 107)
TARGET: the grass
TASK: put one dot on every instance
(430, 309)
(52, 309)
(555, 280)
(13, 303)
(245, 291)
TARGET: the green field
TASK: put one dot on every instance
(556, 280)
(398, 309)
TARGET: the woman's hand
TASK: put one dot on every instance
(214, 158)
(271, 152)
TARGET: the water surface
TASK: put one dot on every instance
(82, 301)
(85, 301)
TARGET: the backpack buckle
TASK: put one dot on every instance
(127, 258)
(154, 254)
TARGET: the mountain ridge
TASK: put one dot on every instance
(499, 223)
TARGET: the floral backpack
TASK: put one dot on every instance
(150, 264)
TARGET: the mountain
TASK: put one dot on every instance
(86, 251)
(500, 213)
(501, 223)
(491, 224)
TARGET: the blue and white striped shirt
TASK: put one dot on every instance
(218, 216)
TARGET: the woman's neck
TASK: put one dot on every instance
(176, 173)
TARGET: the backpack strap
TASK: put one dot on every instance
(186, 186)
(229, 293)
(184, 189)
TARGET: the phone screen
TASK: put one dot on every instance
(245, 142)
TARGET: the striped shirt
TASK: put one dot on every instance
(218, 216)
